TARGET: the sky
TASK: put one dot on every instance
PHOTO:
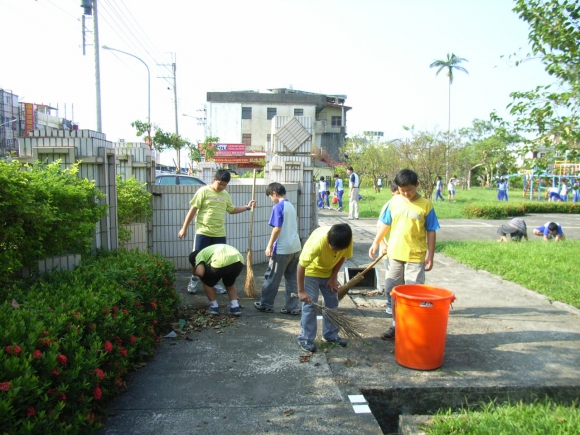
(376, 52)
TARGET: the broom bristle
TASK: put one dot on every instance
(348, 327)
(250, 287)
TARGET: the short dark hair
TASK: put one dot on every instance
(394, 187)
(223, 175)
(349, 168)
(339, 236)
(552, 226)
(192, 257)
(276, 188)
(321, 178)
(335, 175)
(406, 177)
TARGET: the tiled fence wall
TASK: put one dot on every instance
(102, 161)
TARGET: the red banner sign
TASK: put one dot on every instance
(28, 118)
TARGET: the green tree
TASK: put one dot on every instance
(488, 147)
(450, 65)
(424, 153)
(551, 114)
(161, 140)
(371, 160)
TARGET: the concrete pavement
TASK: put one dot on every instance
(503, 341)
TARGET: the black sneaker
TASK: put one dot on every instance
(307, 347)
(389, 334)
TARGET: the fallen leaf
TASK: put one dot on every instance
(288, 412)
(305, 358)
(14, 304)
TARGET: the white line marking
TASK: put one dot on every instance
(356, 398)
(361, 409)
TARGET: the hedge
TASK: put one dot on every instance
(502, 210)
(68, 341)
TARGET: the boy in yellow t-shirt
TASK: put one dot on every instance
(210, 204)
(214, 263)
(412, 223)
(322, 257)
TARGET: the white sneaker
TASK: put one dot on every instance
(192, 286)
(389, 310)
(219, 289)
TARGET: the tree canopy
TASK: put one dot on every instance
(551, 113)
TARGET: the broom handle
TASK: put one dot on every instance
(252, 213)
(373, 263)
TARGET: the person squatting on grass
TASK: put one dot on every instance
(516, 228)
(384, 245)
(283, 250)
(214, 263)
(210, 204)
(412, 223)
(550, 230)
(322, 257)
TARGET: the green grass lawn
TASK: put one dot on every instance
(371, 204)
(541, 418)
(547, 268)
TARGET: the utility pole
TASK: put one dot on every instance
(173, 69)
(90, 8)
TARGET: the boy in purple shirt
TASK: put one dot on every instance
(283, 249)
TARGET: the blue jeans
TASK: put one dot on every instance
(438, 195)
(339, 196)
(308, 322)
(281, 265)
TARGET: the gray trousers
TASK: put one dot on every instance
(281, 265)
(402, 272)
(308, 323)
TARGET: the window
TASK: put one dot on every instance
(247, 139)
(298, 112)
(337, 121)
(271, 112)
(246, 113)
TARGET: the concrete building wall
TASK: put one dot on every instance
(224, 120)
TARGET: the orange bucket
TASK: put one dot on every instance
(421, 313)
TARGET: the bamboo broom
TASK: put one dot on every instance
(343, 289)
(250, 286)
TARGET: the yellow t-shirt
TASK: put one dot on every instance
(218, 256)
(317, 257)
(409, 222)
(211, 211)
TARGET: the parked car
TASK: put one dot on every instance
(178, 180)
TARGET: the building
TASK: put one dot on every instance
(246, 117)
(9, 122)
(19, 119)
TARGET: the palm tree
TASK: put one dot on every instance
(451, 63)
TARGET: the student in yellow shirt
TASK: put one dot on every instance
(412, 223)
(322, 257)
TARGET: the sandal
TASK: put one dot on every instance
(294, 312)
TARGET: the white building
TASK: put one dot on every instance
(246, 117)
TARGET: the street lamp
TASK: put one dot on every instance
(148, 79)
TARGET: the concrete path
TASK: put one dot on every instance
(503, 341)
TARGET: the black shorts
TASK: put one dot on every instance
(227, 274)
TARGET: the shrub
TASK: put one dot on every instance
(133, 205)
(67, 342)
(502, 210)
(45, 211)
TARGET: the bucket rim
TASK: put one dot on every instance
(423, 297)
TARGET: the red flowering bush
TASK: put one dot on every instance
(71, 339)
